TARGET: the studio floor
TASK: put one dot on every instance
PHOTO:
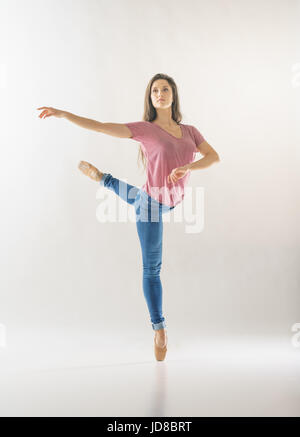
(50, 373)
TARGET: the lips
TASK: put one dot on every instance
(161, 100)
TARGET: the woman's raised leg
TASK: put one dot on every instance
(124, 190)
(150, 231)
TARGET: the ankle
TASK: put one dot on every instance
(160, 332)
(99, 176)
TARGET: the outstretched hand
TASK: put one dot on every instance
(177, 173)
(48, 111)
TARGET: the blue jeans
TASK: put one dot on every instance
(148, 213)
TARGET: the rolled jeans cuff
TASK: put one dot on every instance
(160, 325)
(101, 182)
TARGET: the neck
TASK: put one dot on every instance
(164, 117)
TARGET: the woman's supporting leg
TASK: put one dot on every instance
(151, 237)
(150, 231)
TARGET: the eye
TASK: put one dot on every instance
(165, 89)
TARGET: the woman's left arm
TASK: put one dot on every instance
(210, 156)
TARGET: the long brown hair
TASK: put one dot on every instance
(150, 111)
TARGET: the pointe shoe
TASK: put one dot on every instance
(160, 352)
(89, 170)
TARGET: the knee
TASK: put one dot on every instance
(152, 270)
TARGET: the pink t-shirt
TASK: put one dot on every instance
(164, 152)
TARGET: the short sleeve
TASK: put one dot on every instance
(198, 137)
(138, 129)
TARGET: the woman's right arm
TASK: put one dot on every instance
(114, 129)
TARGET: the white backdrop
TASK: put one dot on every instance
(237, 67)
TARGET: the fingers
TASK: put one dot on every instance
(46, 111)
(172, 179)
(43, 113)
(175, 175)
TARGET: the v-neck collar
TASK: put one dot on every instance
(168, 133)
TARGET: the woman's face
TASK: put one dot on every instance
(161, 94)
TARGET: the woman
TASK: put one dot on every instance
(167, 150)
